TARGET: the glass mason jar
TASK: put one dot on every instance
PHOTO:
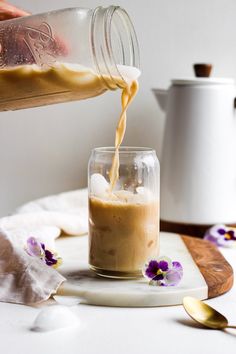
(123, 223)
(65, 55)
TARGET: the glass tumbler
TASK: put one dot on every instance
(124, 222)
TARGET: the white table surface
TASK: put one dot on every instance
(106, 330)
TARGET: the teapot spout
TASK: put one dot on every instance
(161, 97)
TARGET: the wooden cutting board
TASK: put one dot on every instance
(216, 271)
(206, 274)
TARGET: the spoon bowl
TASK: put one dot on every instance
(204, 314)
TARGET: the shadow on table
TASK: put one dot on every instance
(190, 323)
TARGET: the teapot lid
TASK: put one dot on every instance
(202, 73)
(203, 81)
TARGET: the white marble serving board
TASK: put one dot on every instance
(95, 290)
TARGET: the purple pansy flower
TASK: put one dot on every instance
(37, 249)
(221, 235)
(163, 272)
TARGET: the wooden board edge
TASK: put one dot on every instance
(194, 230)
(216, 271)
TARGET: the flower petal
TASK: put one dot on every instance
(158, 277)
(163, 265)
(165, 259)
(150, 269)
(50, 258)
(177, 266)
(211, 238)
(221, 231)
(33, 247)
(173, 277)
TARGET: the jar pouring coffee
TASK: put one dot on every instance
(65, 55)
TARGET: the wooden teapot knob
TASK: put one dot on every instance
(202, 70)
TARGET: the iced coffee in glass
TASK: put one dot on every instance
(123, 219)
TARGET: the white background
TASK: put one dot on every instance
(45, 150)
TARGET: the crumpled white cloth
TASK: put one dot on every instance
(26, 279)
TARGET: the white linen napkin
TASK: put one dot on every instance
(26, 279)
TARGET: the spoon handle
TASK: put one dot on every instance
(230, 327)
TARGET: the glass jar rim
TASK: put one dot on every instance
(124, 150)
(105, 59)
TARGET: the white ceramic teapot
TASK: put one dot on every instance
(198, 163)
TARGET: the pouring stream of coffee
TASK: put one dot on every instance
(128, 94)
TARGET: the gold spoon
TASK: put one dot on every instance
(205, 314)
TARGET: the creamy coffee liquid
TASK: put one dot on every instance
(123, 234)
(32, 86)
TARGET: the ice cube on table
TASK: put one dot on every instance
(98, 185)
(55, 317)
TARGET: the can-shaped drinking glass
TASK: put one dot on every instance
(123, 222)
